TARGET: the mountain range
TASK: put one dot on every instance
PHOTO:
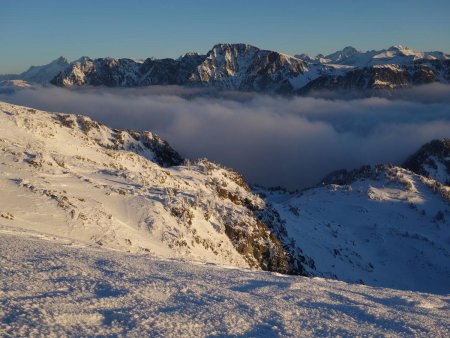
(127, 190)
(244, 67)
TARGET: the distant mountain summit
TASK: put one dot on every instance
(247, 68)
(340, 56)
(396, 54)
(226, 66)
(40, 74)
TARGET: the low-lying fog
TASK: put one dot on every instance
(291, 142)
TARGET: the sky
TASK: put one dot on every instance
(36, 32)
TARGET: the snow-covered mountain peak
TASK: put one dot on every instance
(189, 55)
(405, 51)
(340, 55)
(245, 67)
(82, 59)
(398, 48)
(242, 47)
(61, 60)
(305, 57)
(349, 50)
(43, 74)
(240, 66)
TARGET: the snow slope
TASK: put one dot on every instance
(70, 176)
(58, 287)
(381, 226)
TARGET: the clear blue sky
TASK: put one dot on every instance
(35, 32)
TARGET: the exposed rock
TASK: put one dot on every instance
(432, 160)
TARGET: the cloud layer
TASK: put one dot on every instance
(291, 142)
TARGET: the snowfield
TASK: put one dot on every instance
(57, 287)
(388, 228)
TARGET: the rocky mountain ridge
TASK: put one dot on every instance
(244, 67)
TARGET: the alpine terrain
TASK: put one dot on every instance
(112, 232)
(247, 68)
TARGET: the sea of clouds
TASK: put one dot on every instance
(274, 141)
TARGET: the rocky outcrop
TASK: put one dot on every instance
(263, 240)
(381, 77)
(432, 160)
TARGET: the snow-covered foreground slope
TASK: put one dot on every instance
(382, 226)
(70, 176)
(55, 287)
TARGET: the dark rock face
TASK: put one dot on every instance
(164, 154)
(429, 157)
(244, 67)
(296, 260)
(247, 68)
(226, 66)
(423, 75)
(168, 71)
(111, 72)
(263, 242)
(346, 177)
(259, 246)
(106, 72)
(381, 77)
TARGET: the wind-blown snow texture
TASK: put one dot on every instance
(56, 287)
